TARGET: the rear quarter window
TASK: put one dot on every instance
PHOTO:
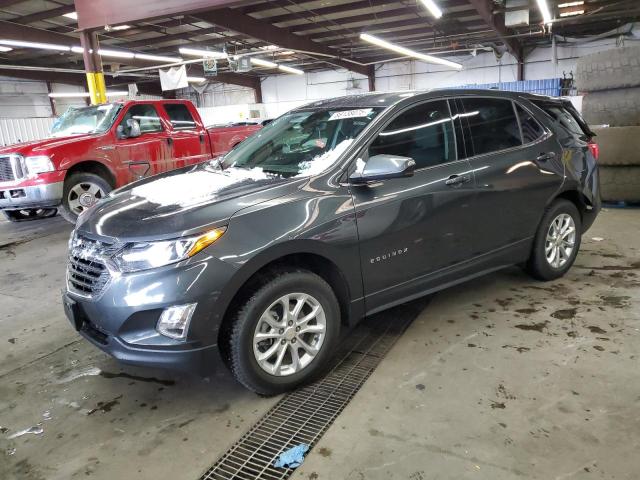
(564, 119)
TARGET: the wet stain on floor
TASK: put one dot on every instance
(565, 314)
(105, 407)
(537, 327)
(595, 329)
(137, 378)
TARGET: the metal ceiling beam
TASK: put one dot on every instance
(15, 31)
(8, 3)
(238, 22)
(95, 14)
(485, 10)
(57, 77)
(53, 13)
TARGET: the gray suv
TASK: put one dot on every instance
(332, 212)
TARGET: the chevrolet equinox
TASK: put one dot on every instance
(334, 211)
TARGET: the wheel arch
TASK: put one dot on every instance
(95, 167)
(252, 276)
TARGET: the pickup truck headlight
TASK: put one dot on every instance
(143, 256)
(38, 164)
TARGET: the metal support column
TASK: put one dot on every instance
(93, 67)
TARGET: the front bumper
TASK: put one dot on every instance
(122, 320)
(16, 197)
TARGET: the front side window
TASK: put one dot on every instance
(301, 143)
(94, 119)
(531, 129)
(179, 116)
(493, 124)
(423, 133)
(147, 117)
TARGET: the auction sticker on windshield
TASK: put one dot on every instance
(361, 112)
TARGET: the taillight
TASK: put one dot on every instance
(595, 149)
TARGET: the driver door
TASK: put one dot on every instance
(147, 154)
(414, 229)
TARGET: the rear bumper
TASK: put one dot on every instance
(31, 196)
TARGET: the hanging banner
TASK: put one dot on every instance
(173, 78)
(210, 67)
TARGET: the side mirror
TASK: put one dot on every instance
(384, 167)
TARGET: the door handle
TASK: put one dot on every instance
(170, 141)
(543, 157)
(455, 180)
(201, 138)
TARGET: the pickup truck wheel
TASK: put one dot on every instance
(29, 214)
(284, 334)
(81, 191)
(557, 241)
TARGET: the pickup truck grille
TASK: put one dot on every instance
(11, 168)
(87, 272)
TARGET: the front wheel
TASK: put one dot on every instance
(29, 214)
(557, 241)
(81, 191)
(283, 335)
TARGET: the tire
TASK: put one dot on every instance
(620, 184)
(616, 108)
(618, 145)
(617, 68)
(29, 214)
(90, 183)
(242, 352)
(538, 266)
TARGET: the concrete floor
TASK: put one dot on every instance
(500, 378)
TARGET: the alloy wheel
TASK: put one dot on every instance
(560, 241)
(289, 334)
(84, 195)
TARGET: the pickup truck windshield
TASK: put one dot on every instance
(94, 119)
(301, 143)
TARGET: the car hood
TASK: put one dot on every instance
(181, 202)
(40, 147)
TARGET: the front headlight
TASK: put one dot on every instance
(38, 164)
(143, 256)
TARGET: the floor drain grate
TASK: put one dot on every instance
(304, 415)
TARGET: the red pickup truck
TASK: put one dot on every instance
(93, 150)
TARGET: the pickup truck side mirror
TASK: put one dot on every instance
(130, 130)
(384, 167)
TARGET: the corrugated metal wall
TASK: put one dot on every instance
(15, 130)
(549, 86)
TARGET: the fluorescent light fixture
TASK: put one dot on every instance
(284, 68)
(264, 63)
(5, 49)
(196, 79)
(120, 27)
(432, 7)
(572, 14)
(544, 11)
(269, 47)
(202, 53)
(77, 49)
(409, 53)
(43, 46)
(114, 93)
(115, 53)
(71, 15)
(571, 4)
(157, 58)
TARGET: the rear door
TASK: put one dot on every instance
(517, 165)
(147, 154)
(412, 227)
(189, 138)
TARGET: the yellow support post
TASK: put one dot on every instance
(93, 68)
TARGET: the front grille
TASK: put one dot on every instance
(87, 272)
(6, 169)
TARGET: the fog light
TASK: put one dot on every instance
(174, 321)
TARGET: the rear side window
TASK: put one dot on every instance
(564, 119)
(493, 124)
(179, 115)
(147, 117)
(424, 133)
(531, 129)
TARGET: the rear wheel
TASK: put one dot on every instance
(557, 241)
(81, 191)
(283, 335)
(29, 214)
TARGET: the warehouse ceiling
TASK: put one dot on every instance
(308, 35)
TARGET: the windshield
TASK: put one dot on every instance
(301, 143)
(94, 119)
